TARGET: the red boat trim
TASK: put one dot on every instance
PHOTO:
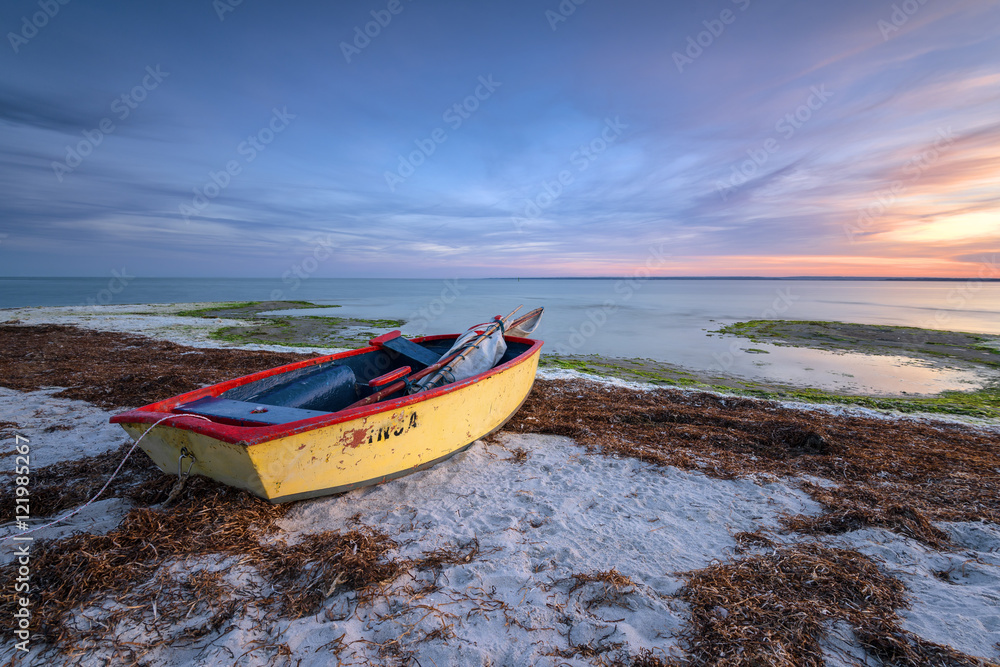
(254, 435)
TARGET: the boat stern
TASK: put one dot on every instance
(171, 449)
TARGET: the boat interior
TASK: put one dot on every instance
(326, 387)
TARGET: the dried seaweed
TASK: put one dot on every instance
(451, 555)
(518, 455)
(846, 512)
(65, 485)
(125, 575)
(116, 370)
(614, 591)
(747, 540)
(899, 477)
(774, 609)
(8, 431)
(309, 572)
(75, 571)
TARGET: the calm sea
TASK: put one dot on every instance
(666, 320)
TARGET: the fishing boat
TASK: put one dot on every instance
(342, 421)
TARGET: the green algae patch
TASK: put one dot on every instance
(929, 344)
(982, 404)
(635, 370)
(304, 331)
(309, 331)
(247, 309)
(979, 351)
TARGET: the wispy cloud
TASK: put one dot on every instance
(531, 182)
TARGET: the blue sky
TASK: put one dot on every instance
(745, 137)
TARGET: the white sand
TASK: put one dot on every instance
(59, 429)
(561, 512)
(956, 594)
(592, 514)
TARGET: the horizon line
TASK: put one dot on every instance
(609, 277)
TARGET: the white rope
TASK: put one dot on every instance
(113, 475)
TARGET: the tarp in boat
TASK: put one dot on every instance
(482, 352)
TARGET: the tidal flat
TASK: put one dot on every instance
(930, 349)
(264, 326)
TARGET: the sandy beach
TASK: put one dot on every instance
(609, 522)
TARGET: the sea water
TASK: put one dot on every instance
(665, 320)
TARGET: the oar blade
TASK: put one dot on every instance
(525, 324)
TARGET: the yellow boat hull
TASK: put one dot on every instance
(381, 442)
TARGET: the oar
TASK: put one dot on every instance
(525, 324)
(467, 349)
(396, 386)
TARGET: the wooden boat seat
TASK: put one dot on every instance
(409, 349)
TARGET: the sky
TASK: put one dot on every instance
(477, 138)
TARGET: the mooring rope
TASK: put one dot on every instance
(110, 479)
(181, 477)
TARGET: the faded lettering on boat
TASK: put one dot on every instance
(398, 425)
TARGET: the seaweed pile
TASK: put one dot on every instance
(166, 570)
(61, 487)
(774, 608)
(116, 370)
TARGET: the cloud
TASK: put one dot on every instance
(655, 184)
(21, 109)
